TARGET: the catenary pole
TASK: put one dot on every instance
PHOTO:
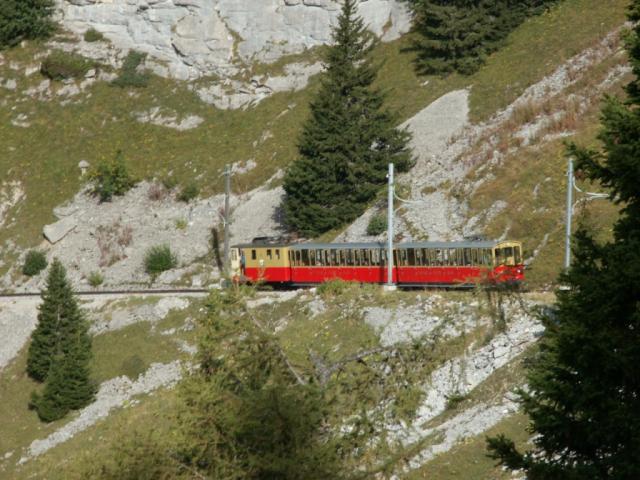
(390, 228)
(227, 215)
(567, 239)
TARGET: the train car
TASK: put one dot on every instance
(442, 264)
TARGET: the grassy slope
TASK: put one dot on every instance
(112, 352)
(45, 156)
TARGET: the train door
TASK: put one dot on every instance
(236, 263)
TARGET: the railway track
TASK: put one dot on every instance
(97, 293)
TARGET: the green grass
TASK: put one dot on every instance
(112, 357)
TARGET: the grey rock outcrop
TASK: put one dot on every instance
(57, 231)
(191, 38)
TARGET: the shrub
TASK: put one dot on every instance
(333, 288)
(181, 224)
(95, 279)
(111, 178)
(133, 366)
(377, 225)
(129, 74)
(92, 35)
(157, 192)
(34, 263)
(112, 240)
(61, 65)
(188, 192)
(25, 19)
(159, 259)
(170, 182)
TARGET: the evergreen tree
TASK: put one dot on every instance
(60, 350)
(56, 318)
(457, 35)
(349, 139)
(24, 19)
(584, 397)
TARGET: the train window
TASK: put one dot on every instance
(411, 257)
(508, 256)
(253, 254)
(499, 258)
(312, 258)
(269, 255)
(517, 255)
(383, 257)
(375, 257)
(333, 257)
(297, 258)
(278, 253)
(305, 258)
(364, 258)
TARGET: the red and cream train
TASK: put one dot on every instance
(438, 264)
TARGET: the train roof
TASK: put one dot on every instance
(374, 245)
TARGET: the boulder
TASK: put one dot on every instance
(57, 231)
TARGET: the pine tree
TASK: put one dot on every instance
(24, 19)
(60, 350)
(349, 139)
(584, 386)
(458, 35)
(56, 317)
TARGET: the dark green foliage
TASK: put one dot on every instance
(189, 192)
(130, 76)
(56, 315)
(159, 259)
(377, 225)
(457, 35)
(25, 20)
(133, 366)
(92, 35)
(61, 65)
(584, 398)
(60, 350)
(34, 263)
(111, 178)
(347, 142)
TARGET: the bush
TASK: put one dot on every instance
(34, 263)
(188, 192)
(92, 35)
(170, 182)
(111, 178)
(95, 279)
(61, 65)
(377, 225)
(133, 366)
(25, 20)
(159, 259)
(129, 74)
(333, 288)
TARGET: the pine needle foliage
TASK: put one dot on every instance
(584, 397)
(458, 35)
(25, 20)
(60, 350)
(349, 139)
(242, 414)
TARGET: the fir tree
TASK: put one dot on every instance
(349, 139)
(24, 19)
(584, 397)
(60, 350)
(458, 35)
(57, 315)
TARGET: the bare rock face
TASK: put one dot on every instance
(191, 38)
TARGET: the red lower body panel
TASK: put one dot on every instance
(268, 274)
(305, 275)
(401, 275)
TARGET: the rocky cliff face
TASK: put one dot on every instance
(188, 39)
